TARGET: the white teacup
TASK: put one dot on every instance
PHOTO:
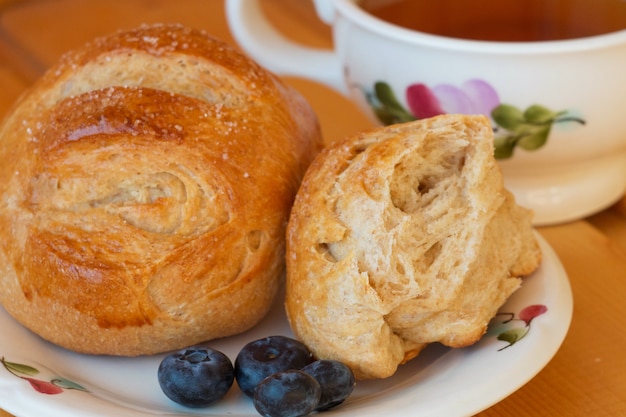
(558, 107)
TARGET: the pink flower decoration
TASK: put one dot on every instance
(26, 372)
(422, 102)
(453, 99)
(532, 311)
(472, 97)
(44, 387)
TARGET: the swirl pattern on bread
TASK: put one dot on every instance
(145, 188)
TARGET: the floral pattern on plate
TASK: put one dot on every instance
(506, 326)
(56, 384)
(511, 328)
(429, 386)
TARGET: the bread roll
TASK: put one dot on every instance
(401, 237)
(145, 189)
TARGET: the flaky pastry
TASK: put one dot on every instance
(400, 237)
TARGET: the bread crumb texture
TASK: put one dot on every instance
(400, 237)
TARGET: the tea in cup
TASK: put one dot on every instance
(550, 75)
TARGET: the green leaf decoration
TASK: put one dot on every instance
(536, 139)
(539, 114)
(67, 384)
(507, 116)
(387, 116)
(529, 129)
(388, 109)
(504, 146)
(19, 368)
(512, 336)
(386, 96)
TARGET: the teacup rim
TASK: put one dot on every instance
(374, 24)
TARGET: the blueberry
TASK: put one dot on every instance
(196, 376)
(263, 357)
(290, 393)
(336, 380)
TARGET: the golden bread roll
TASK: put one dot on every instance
(145, 189)
(400, 237)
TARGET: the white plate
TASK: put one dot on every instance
(440, 382)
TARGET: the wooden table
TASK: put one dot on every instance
(587, 377)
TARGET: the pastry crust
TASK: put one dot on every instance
(401, 237)
(144, 192)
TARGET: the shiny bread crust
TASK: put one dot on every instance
(145, 188)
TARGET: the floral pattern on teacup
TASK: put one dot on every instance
(528, 129)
